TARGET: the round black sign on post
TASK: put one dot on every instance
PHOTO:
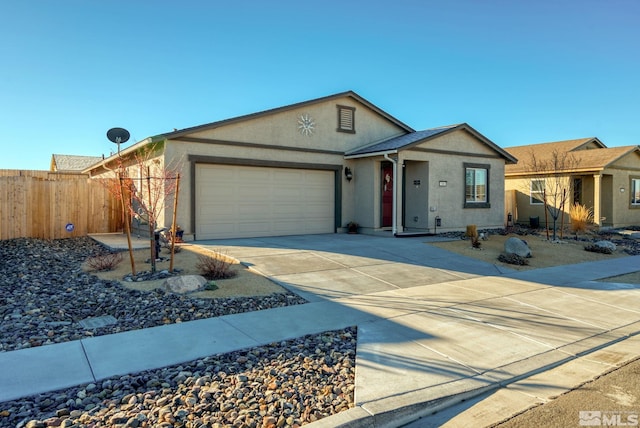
(118, 136)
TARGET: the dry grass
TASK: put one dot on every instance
(581, 218)
(244, 283)
(544, 253)
(215, 267)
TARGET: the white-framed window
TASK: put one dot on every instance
(536, 195)
(635, 192)
(476, 193)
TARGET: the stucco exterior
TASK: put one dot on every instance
(433, 161)
(599, 178)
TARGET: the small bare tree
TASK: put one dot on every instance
(552, 173)
(154, 185)
(144, 184)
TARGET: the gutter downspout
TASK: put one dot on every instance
(395, 193)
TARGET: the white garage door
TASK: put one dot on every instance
(241, 201)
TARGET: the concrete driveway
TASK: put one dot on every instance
(435, 327)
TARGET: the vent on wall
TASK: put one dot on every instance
(346, 119)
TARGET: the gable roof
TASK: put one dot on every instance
(602, 158)
(181, 132)
(407, 141)
(72, 162)
(586, 159)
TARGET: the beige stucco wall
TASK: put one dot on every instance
(623, 213)
(622, 171)
(526, 210)
(363, 207)
(446, 202)
(182, 150)
(281, 129)
(614, 208)
(138, 168)
(591, 145)
(275, 138)
(460, 142)
(631, 162)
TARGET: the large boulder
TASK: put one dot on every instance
(607, 245)
(517, 246)
(185, 283)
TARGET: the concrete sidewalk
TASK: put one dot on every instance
(433, 327)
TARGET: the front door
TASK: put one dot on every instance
(387, 194)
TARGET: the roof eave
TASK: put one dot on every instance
(372, 154)
(509, 159)
(217, 124)
(590, 140)
(123, 153)
(543, 173)
(631, 150)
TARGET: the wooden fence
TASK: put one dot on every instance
(53, 205)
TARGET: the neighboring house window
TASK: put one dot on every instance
(476, 193)
(577, 190)
(346, 119)
(635, 192)
(536, 197)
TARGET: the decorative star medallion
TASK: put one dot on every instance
(306, 124)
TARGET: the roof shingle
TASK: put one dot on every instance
(72, 162)
(582, 159)
(400, 142)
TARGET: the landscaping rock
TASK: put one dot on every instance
(606, 244)
(517, 246)
(185, 283)
(296, 382)
(44, 294)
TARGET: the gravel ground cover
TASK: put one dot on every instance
(285, 384)
(44, 294)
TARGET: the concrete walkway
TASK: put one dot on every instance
(434, 327)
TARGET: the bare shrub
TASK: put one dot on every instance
(215, 267)
(597, 249)
(104, 262)
(513, 259)
(581, 217)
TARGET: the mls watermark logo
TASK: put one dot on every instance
(597, 418)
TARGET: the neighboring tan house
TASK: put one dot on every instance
(607, 180)
(72, 163)
(315, 166)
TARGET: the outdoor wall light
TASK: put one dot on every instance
(622, 190)
(348, 173)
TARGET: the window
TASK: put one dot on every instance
(577, 190)
(536, 197)
(346, 119)
(635, 192)
(476, 194)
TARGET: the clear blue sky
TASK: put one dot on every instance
(519, 72)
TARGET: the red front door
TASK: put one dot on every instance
(387, 194)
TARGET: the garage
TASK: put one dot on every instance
(234, 201)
